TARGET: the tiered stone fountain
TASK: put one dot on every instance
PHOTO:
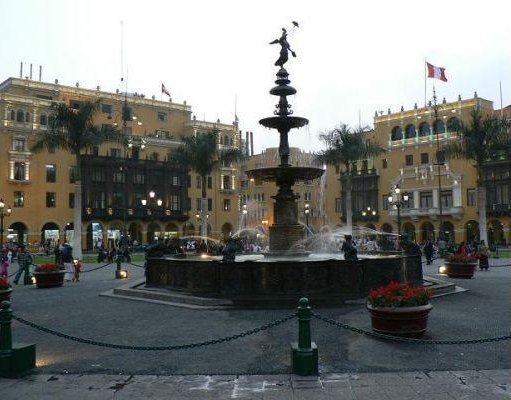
(284, 275)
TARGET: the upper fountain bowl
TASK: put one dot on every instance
(284, 122)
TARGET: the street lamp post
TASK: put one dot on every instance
(307, 211)
(3, 213)
(244, 212)
(151, 202)
(368, 212)
(397, 199)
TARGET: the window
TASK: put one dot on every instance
(51, 199)
(98, 200)
(396, 133)
(43, 119)
(138, 179)
(424, 129)
(308, 196)
(502, 193)
(210, 204)
(384, 163)
(115, 152)
(98, 174)
(51, 173)
(19, 199)
(385, 202)
(198, 182)
(175, 204)
(409, 159)
(19, 171)
(227, 205)
(20, 116)
(446, 198)
(338, 205)
(154, 156)
(75, 104)
(424, 158)
(18, 144)
(95, 150)
(162, 116)
(71, 200)
(226, 180)
(72, 174)
(174, 180)
(364, 166)
(117, 199)
(426, 199)
(188, 204)
(210, 182)
(471, 197)
(197, 203)
(106, 108)
(118, 177)
(13, 115)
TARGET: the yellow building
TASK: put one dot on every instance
(39, 187)
(256, 204)
(446, 192)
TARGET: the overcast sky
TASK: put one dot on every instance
(352, 56)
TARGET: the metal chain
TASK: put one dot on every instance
(96, 268)
(156, 348)
(404, 339)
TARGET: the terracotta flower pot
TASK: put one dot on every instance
(459, 270)
(400, 321)
(5, 294)
(49, 279)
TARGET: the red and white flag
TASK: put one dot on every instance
(436, 72)
(164, 90)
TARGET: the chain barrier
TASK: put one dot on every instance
(404, 339)
(96, 268)
(14, 273)
(156, 348)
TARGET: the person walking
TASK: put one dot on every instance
(483, 254)
(24, 263)
(428, 251)
(4, 265)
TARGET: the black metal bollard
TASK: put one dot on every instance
(304, 353)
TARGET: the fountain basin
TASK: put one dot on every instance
(256, 281)
(284, 123)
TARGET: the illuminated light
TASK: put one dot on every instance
(203, 255)
(442, 269)
(33, 280)
(123, 274)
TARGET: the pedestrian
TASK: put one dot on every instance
(4, 265)
(56, 252)
(9, 256)
(78, 269)
(350, 251)
(24, 263)
(483, 254)
(428, 251)
(67, 261)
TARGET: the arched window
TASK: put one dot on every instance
(13, 115)
(424, 129)
(453, 125)
(43, 119)
(397, 134)
(20, 116)
(410, 131)
(438, 127)
(27, 117)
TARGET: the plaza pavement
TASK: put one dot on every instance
(352, 366)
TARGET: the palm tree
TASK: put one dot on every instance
(479, 140)
(345, 146)
(201, 154)
(74, 131)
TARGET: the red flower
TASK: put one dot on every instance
(397, 294)
(48, 267)
(4, 283)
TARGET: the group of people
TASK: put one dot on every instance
(477, 250)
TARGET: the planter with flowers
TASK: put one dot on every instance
(5, 289)
(49, 275)
(399, 309)
(459, 266)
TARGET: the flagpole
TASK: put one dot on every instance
(425, 75)
(500, 88)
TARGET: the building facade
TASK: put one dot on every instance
(40, 186)
(440, 196)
